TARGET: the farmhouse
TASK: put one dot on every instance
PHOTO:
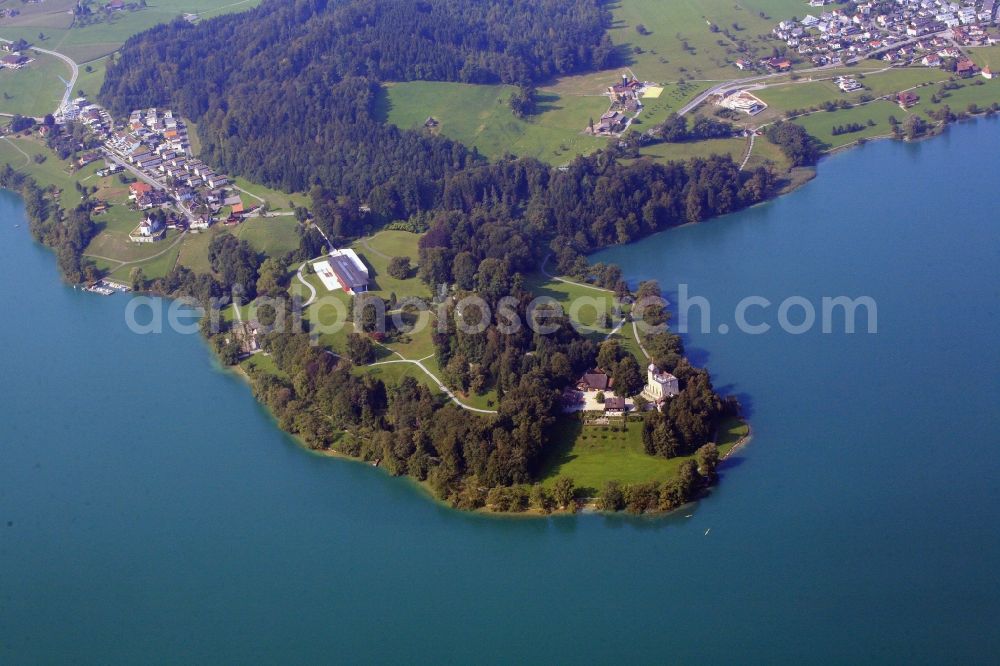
(907, 99)
(343, 270)
(965, 68)
(14, 61)
(611, 122)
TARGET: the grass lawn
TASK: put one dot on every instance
(275, 236)
(194, 249)
(90, 82)
(585, 305)
(821, 123)
(594, 455)
(18, 151)
(394, 244)
(254, 194)
(36, 88)
(376, 254)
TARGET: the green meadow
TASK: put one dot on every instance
(821, 123)
(84, 43)
(35, 89)
(592, 455)
(479, 115)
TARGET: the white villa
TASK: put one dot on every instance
(659, 384)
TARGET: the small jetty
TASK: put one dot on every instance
(111, 284)
(96, 288)
(106, 287)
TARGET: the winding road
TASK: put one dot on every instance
(74, 68)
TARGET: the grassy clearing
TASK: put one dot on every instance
(594, 455)
(263, 363)
(667, 152)
(376, 252)
(394, 244)
(480, 116)
(255, 194)
(586, 306)
(194, 249)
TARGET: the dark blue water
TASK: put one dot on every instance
(150, 510)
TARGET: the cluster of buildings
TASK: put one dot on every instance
(626, 96)
(660, 386)
(886, 30)
(93, 116)
(847, 83)
(155, 145)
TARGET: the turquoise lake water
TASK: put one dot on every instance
(150, 511)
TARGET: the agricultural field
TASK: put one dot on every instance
(660, 54)
(107, 32)
(36, 89)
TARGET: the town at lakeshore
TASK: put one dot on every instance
(130, 201)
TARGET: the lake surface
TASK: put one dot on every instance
(150, 511)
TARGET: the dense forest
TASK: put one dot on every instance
(286, 94)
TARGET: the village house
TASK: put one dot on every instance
(907, 99)
(966, 68)
(139, 188)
